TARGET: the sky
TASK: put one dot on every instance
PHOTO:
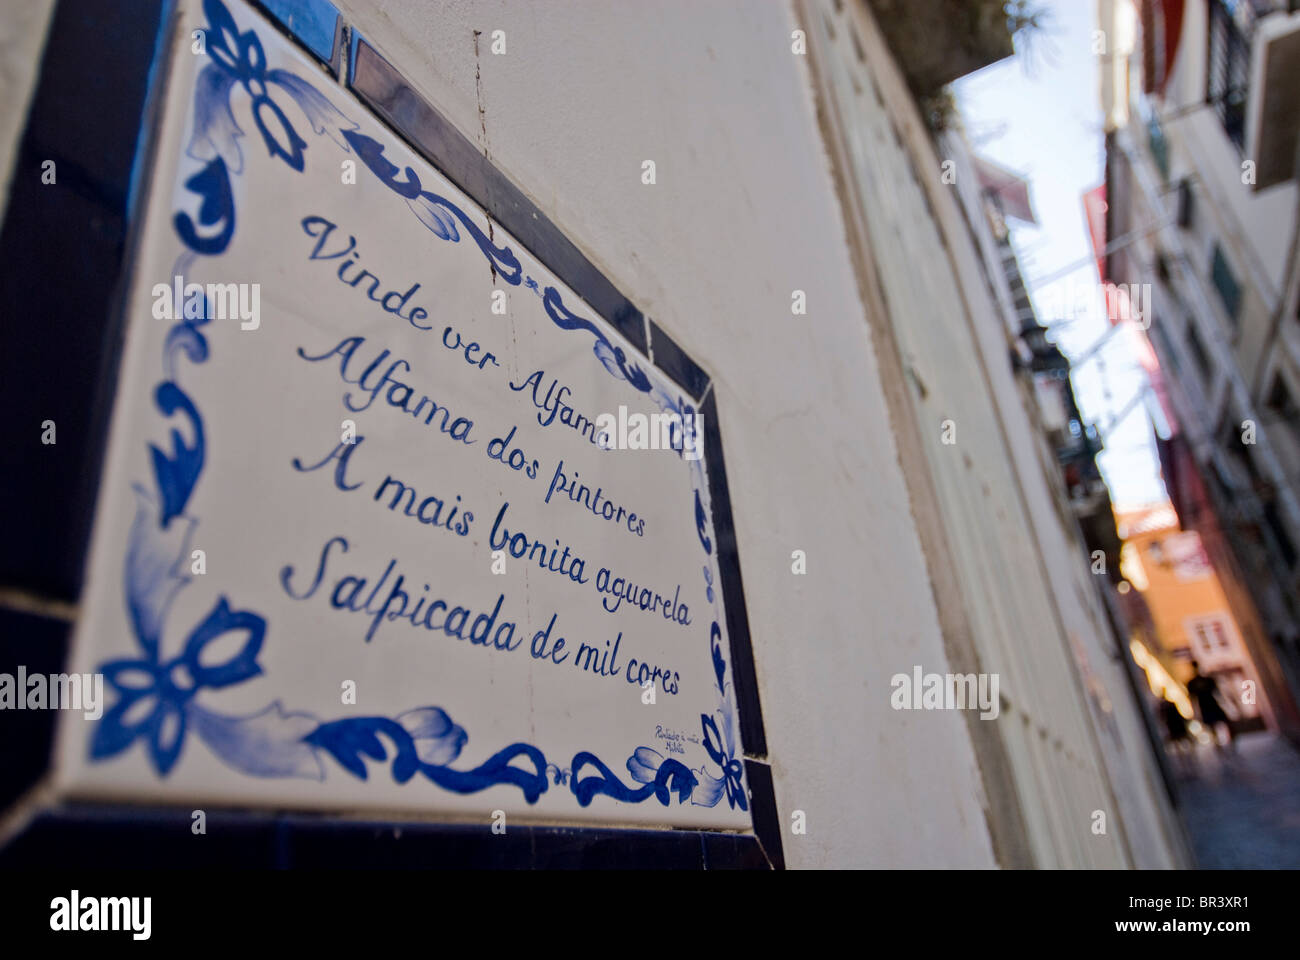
(1039, 114)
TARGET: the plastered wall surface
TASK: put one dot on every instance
(22, 37)
(742, 214)
(1121, 738)
(1068, 724)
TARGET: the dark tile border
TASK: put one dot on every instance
(768, 821)
(673, 361)
(37, 645)
(733, 589)
(89, 836)
(65, 247)
(91, 222)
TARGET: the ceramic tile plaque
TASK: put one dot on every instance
(391, 521)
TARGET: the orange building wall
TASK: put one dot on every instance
(1170, 568)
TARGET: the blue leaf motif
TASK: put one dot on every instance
(324, 117)
(702, 524)
(504, 261)
(124, 722)
(176, 475)
(134, 678)
(604, 351)
(279, 136)
(346, 742)
(216, 132)
(644, 764)
(712, 740)
(434, 217)
(154, 570)
(433, 211)
(240, 54)
(166, 729)
(140, 712)
(212, 183)
(267, 744)
(719, 664)
(438, 741)
(611, 357)
(187, 339)
(708, 791)
(240, 667)
(371, 152)
(352, 738)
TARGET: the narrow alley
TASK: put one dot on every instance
(1243, 811)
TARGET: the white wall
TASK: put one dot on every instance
(22, 37)
(1034, 615)
(742, 214)
(1076, 591)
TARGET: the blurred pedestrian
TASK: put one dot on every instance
(1204, 692)
(1180, 738)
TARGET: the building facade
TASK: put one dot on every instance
(1200, 108)
(1191, 619)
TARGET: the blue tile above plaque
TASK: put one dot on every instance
(314, 22)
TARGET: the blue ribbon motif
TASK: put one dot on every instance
(425, 741)
(434, 211)
(155, 695)
(670, 775)
(613, 358)
(732, 769)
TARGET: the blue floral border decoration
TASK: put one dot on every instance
(157, 695)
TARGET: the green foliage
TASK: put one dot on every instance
(940, 109)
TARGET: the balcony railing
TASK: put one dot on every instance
(1228, 80)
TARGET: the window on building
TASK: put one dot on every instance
(1263, 508)
(1186, 204)
(1220, 635)
(1203, 644)
(1159, 338)
(1282, 540)
(1163, 273)
(1159, 146)
(1225, 281)
(1209, 636)
(1283, 409)
(1196, 348)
